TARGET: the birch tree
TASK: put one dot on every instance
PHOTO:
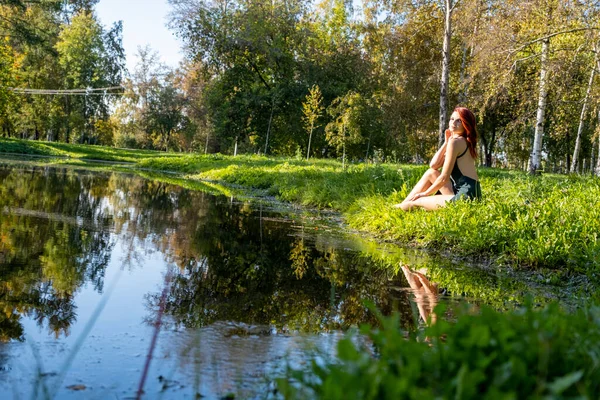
(584, 110)
(536, 153)
(449, 6)
(345, 129)
(598, 136)
(312, 110)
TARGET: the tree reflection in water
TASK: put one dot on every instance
(58, 228)
(247, 266)
(53, 239)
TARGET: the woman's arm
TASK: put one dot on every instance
(449, 161)
(438, 159)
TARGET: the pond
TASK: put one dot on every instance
(96, 266)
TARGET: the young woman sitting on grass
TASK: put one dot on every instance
(456, 157)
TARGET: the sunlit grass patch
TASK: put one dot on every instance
(82, 151)
(542, 221)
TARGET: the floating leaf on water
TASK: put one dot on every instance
(76, 387)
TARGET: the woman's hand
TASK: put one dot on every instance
(448, 134)
(417, 196)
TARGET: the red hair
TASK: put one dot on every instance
(470, 124)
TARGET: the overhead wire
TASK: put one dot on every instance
(71, 92)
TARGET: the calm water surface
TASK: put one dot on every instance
(88, 260)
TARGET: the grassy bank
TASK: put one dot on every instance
(547, 222)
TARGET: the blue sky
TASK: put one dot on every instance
(144, 22)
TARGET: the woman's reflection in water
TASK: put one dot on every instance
(426, 293)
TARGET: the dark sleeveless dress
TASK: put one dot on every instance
(463, 186)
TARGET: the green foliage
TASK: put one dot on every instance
(312, 110)
(89, 58)
(8, 71)
(57, 45)
(153, 112)
(526, 353)
(250, 63)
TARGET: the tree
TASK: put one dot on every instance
(345, 129)
(597, 136)
(90, 58)
(143, 90)
(536, 153)
(259, 58)
(163, 117)
(584, 108)
(312, 110)
(9, 65)
(449, 6)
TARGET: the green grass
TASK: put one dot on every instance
(548, 222)
(77, 151)
(526, 353)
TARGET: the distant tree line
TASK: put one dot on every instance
(57, 45)
(371, 80)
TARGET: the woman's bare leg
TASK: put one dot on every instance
(425, 293)
(428, 203)
(425, 183)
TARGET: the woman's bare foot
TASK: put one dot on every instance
(404, 206)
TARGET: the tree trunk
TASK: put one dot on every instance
(368, 147)
(568, 164)
(445, 71)
(598, 160)
(269, 127)
(344, 146)
(487, 146)
(235, 147)
(484, 148)
(67, 123)
(592, 159)
(309, 139)
(582, 117)
(536, 153)
(488, 156)
(462, 96)
(464, 75)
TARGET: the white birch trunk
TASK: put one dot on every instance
(462, 96)
(464, 79)
(582, 119)
(269, 127)
(592, 159)
(445, 71)
(598, 160)
(309, 140)
(344, 146)
(536, 153)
